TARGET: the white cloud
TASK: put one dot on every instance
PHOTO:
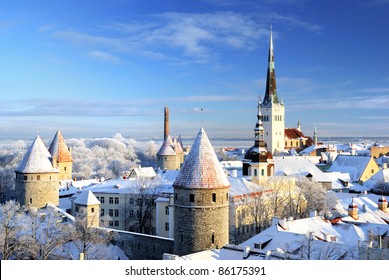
(104, 56)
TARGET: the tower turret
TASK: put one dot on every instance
(61, 156)
(36, 181)
(201, 200)
(258, 161)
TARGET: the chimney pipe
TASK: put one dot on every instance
(166, 131)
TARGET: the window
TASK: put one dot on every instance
(116, 200)
(102, 200)
(38, 177)
(64, 168)
(213, 238)
(131, 201)
(131, 214)
(167, 210)
(116, 223)
(255, 173)
(263, 172)
(167, 226)
(31, 199)
(110, 223)
(181, 237)
(92, 210)
(213, 197)
(191, 197)
(116, 213)
(111, 200)
(175, 196)
(110, 212)
(102, 212)
(372, 171)
(227, 196)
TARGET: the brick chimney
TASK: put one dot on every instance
(166, 131)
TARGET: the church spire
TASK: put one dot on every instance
(259, 130)
(271, 89)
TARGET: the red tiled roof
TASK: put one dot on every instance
(59, 149)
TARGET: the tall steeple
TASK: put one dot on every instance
(315, 136)
(273, 110)
(271, 88)
(259, 130)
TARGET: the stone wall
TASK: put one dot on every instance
(36, 190)
(200, 219)
(139, 246)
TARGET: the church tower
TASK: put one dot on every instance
(273, 109)
(61, 157)
(258, 162)
(201, 201)
(37, 181)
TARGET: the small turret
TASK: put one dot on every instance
(382, 204)
(353, 210)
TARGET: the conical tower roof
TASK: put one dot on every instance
(86, 198)
(167, 148)
(59, 149)
(201, 168)
(37, 159)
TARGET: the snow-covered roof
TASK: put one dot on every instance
(86, 198)
(145, 172)
(201, 168)
(59, 149)
(312, 148)
(354, 165)
(37, 159)
(167, 148)
(297, 166)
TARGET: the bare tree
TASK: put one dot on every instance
(140, 205)
(90, 240)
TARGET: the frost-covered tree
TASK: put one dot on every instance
(90, 241)
(12, 229)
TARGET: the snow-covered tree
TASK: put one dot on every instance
(12, 229)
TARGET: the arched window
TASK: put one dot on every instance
(263, 172)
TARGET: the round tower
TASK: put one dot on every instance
(201, 201)
(61, 157)
(36, 181)
(167, 157)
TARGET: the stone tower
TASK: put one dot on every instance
(258, 161)
(61, 157)
(37, 181)
(171, 154)
(201, 200)
(273, 109)
(167, 157)
(87, 204)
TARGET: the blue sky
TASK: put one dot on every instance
(96, 68)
